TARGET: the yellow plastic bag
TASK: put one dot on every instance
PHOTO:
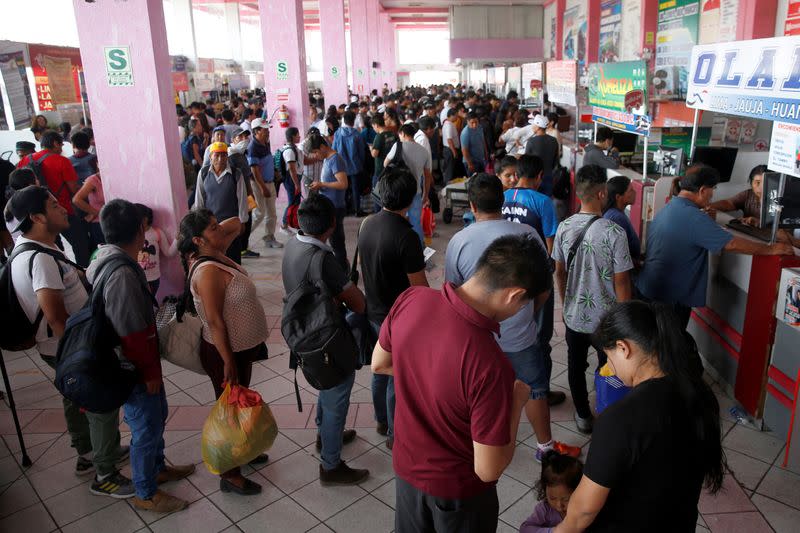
(239, 428)
(606, 371)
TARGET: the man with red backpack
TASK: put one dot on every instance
(55, 172)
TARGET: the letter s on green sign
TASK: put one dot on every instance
(117, 59)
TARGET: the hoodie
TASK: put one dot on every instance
(129, 309)
(594, 155)
(351, 147)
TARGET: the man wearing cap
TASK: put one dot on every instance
(262, 165)
(49, 290)
(217, 136)
(25, 148)
(222, 190)
(55, 172)
(546, 148)
(237, 159)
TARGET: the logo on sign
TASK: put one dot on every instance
(118, 66)
(536, 84)
(335, 72)
(361, 73)
(282, 70)
(634, 100)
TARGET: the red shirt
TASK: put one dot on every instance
(453, 386)
(57, 171)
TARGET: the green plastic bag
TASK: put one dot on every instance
(239, 428)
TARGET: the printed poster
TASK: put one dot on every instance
(792, 24)
(12, 68)
(784, 150)
(63, 82)
(562, 78)
(574, 33)
(678, 23)
(608, 83)
(610, 30)
(532, 81)
(549, 31)
(3, 123)
(631, 31)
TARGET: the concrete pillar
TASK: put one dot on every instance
(234, 31)
(139, 167)
(359, 47)
(592, 30)
(649, 29)
(334, 52)
(561, 6)
(285, 79)
(388, 59)
(373, 38)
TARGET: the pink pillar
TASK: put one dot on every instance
(592, 30)
(359, 48)
(139, 155)
(373, 38)
(285, 79)
(561, 6)
(334, 51)
(756, 19)
(649, 28)
(389, 56)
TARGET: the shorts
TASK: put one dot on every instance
(532, 368)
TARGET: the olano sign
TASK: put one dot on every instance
(759, 79)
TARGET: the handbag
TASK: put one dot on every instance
(179, 341)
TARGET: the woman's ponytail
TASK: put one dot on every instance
(193, 225)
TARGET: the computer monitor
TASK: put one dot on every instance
(625, 142)
(721, 158)
(671, 163)
(790, 216)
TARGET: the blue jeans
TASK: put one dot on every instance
(146, 414)
(533, 369)
(415, 216)
(355, 192)
(383, 399)
(332, 406)
(292, 195)
(378, 206)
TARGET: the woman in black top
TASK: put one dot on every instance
(653, 451)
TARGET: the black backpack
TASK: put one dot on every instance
(18, 333)
(562, 185)
(316, 332)
(88, 371)
(280, 163)
(397, 162)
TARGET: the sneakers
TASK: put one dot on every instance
(561, 449)
(161, 502)
(270, 242)
(585, 425)
(174, 473)
(84, 467)
(249, 254)
(114, 486)
(348, 436)
(342, 475)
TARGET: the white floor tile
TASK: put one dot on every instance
(367, 515)
(200, 517)
(283, 516)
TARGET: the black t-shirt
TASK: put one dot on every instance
(546, 148)
(297, 260)
(642, 451)
(390, 249)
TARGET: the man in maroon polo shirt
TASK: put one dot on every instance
(458, 405)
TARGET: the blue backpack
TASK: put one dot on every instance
(88, 371)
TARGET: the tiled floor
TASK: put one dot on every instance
(759, 495)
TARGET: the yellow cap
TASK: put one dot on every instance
(218, 147)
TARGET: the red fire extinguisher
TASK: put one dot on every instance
(283, 117)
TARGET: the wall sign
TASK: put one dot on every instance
(335, 72)
(55, 72)
(678, 22)
(119, 72)
(759, 78)
(609, 83)
(784, 150)
(610, 30)
(638, 124)
(792, 24)
(562, 77)
(282, 70)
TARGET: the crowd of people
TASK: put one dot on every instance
(453, 369)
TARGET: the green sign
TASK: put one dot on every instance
(361, 73)
(282, 69)
(119, 72)
(610, 82)
(335, 72)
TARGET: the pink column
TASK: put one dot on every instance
(359, 47)
(285, 78)
(592, 30)
(389, 59)
(373, 38)
(334, 51)
(139, 152)
(756, 19)
(561, 6)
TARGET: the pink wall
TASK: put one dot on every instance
(282, 33)
(359, 47)
(496, 49)
(135, 128)
(334, 51)
(374, 37)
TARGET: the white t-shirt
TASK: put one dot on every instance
(288, 156)
(46, 275)
(521, 138)
(359, 123)
(508, 138)
(443, 114)
(155, 242)
(415, 157)
(449, 131)
(421, 139)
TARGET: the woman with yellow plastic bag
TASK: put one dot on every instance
(234, 332)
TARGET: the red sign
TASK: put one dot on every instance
(41, 55)
(536, 84)
(205, 65)
(634, 100)
(180, 81)
(792, 24)
(673, 115)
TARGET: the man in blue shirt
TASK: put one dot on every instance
(473, 146)
(524, 204)
(679, 239)
(262, 165)
(349, 144)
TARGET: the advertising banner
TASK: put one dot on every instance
(631, 31)
(638, 124)
(575, 30)
(180, 81)
(678, 22)
(784, 149)
(792, 24)
(718, 20)
(610, 30)
(609, 83)
(55, 72)
(758, 79)
(562, 78)
(532, 79)
(12, 68)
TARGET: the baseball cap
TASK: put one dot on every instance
(540, 121)
(218, 128)
(218, 148)
(258, 123)
(25, 145)
(32, 200)
(238, 131)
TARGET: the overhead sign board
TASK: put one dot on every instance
(609, 83)
(637, 124)
(759, 79)
(562, 79)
